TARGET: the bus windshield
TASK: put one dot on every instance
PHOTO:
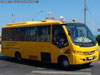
(80, 34)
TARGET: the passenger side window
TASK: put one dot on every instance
(38, 33)
(31, 34)
(44, 33)
(58, 36)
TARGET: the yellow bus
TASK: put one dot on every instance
(50, 41)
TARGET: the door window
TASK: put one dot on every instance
(58, 36)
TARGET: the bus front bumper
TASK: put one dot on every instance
(83, 59)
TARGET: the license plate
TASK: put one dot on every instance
(90, 58)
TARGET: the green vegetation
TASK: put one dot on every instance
(98, 39)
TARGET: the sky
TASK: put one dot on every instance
(69, 9)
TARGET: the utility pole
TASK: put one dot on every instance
(85, 11)
(12, 18)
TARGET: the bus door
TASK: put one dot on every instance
(44, 35)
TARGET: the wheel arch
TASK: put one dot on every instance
(62, 57)
(17, 52)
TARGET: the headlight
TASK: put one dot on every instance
(91, 52)
(96, 50)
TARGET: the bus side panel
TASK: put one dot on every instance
(28, 50)
(56, 52)
(8, 48)
(31, 50)
(45, 52)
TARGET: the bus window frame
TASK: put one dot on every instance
(28, 27)
(61, 25)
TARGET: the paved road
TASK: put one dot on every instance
(95, 70)
(9, 66)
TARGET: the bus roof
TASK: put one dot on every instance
(71, 22)
(31, 23)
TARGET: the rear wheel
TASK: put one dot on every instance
(18, 56)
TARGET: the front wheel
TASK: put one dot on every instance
(64, 63)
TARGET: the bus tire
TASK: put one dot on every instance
(18, 56)
(64, 62)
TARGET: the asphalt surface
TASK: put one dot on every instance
(95, 70)
(10, 66)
